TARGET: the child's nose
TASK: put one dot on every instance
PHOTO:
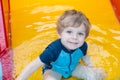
(74, 36)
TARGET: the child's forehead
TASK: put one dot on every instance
(75, 26)
(79, 28)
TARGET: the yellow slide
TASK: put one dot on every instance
(33, 24)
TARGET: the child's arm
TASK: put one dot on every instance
(86, 59)
(34, 65)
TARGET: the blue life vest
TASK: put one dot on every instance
(66, 62)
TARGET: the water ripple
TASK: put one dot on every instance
(96, 28)
(49, 9)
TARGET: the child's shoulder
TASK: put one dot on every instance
(55, 43)
(84, 48)
(84, 45)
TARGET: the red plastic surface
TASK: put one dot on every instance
(5, 49)
(116, 7)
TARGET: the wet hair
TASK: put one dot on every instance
(73, 18)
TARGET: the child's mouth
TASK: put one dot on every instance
(74, 43)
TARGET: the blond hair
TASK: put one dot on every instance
(72, 18)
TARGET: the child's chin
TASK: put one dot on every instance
(72, 48)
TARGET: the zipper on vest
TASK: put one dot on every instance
(70, 61)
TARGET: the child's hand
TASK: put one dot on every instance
(99, 73)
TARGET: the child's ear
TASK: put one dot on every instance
(59, 35)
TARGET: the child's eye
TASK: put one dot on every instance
(69, 31)
(80, 34)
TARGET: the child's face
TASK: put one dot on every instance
(73, 37)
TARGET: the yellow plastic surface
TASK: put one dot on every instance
(33, 28)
